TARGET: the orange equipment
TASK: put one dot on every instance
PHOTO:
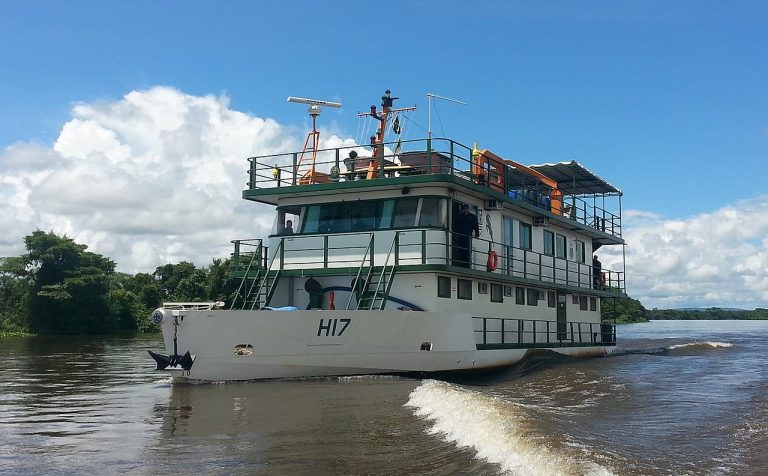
(481, 158)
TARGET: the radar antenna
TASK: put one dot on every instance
(308, 175)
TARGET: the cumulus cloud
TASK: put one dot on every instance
(712, 259)
(154, 177)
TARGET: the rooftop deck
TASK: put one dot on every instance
(565, 190)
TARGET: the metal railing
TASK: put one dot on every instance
(427, 157)
(432, 246)
(509, 333)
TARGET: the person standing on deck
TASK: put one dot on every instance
(597, 269)
(463, 226)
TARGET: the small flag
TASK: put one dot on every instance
(396, 125)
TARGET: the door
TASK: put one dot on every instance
(562, 326)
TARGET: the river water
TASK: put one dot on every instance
(677, 397)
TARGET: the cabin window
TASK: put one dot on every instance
(593, 303)
(405, 213)
(432, 213)
(519, 295)
(443, 286)
(533, 297)
(551, 299)
(549, 243)
(508, 291)
(580, 255)
(287, 221)
(367, 215)
(583, 303)
(525, 236)
(560, 246)
(497, 293)
(312, 220)
(464, 288)
(482, 288)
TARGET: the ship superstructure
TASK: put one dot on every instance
(406, 256)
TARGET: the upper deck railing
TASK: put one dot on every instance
(435, 156)
(427, 246)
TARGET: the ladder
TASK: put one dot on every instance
(372, 291)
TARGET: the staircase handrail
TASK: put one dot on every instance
(356, 281)
(278, 249)
(245, 277)
(381, 277)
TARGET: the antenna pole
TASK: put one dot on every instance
(430, 96)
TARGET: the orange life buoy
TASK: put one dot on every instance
(493, 261)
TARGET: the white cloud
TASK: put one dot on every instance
(712, 259)
(154, 177)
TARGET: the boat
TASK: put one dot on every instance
(404, 256)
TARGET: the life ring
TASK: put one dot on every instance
(493, 261)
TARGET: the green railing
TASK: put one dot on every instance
(507, 333)
(437, 156)
(430, 246)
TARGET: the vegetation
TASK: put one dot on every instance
(712, 313)
(623, 309)
(58, 288)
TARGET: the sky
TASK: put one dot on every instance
(126, 125)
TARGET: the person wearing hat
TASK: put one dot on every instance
(464, 226)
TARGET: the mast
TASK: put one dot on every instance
(377, 140)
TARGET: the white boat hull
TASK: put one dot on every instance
(254, 345)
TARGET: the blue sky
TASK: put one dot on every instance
(666, 100)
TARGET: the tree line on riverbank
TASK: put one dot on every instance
(58, 287)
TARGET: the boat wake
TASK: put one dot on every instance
(494, 428)
(688, 348)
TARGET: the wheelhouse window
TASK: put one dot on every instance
(405, 213)
(583, 303)
(287, 221)
(525, 236)
(369, 215)
(432, 212)
(551, 299)
(593, 303)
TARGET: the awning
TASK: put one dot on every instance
(574, 179)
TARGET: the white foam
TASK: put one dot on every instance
(714, 345)
(494, 428)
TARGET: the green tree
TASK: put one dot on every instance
(14, 285)
(623, 308)
(69, 286)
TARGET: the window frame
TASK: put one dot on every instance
(520, 295)
(497, 292)
(526, 239)
(532, 296)
(549, 243)
(440, 287)
(461, 286)
(560, 246)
